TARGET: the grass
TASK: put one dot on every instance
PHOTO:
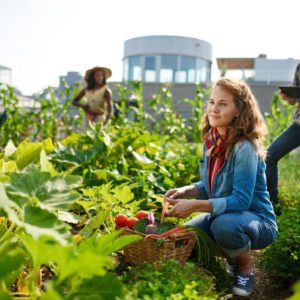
(289, 174)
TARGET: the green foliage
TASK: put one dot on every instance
(168, 280)
(78, 183)
(296, 289)
(140, 225)
(282, 258)
(289, 174)
(78, 269)
(52, 115)
(197, 105)
(279, 118)
(10, 266)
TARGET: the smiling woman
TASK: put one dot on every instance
(233, 195)
(221, 109)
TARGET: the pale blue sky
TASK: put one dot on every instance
(43, 39)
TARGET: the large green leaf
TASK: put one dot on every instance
(52, 192)
(41, 250)
(85, 264)
(95, 222)
(47, 145)
(10, 266)
(107, 244)
(26, 153)
(5, 295)
(106, 287)
(123, 193)
(7, 166)
(34, 220)
(38, 222)
(68, 261)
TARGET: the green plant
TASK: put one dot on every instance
(282, 258)
(50, 116)
(289, 174)
(296, 289)
(197, 105)
(279, 118)
(169, 280)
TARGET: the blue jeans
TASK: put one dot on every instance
(236, 233)
(282, 145)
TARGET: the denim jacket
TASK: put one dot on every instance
(240, 185)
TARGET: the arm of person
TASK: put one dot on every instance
(189, 191)
(79, 96)
(182, 208)
(110, 107)
(201, 190)
(244, 179)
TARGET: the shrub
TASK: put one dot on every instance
(169, 281)
(283, 257)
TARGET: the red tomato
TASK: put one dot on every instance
(121, 220)
(131, 222)
(141, 214)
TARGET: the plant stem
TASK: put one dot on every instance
(7, 233)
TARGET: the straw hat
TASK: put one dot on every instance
(107, 72)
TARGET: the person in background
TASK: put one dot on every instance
(232, 195)
(288, 140)
(98, 105)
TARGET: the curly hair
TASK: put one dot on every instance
(249, 124)
(90, 81)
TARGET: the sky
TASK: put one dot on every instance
(41, 40)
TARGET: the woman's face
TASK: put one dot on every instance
(99, 77)
(221, 109)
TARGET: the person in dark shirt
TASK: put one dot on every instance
(287, 141)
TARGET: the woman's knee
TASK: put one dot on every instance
(200, 222)
(228, 234)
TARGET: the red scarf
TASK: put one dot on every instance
(215, 150)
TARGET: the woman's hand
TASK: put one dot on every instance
(176, 193)
(287, 98)
(183, 192)
(182, 208)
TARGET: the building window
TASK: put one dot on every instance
(168, 68)
(202, 70)
(125, 69)
(150, 69)
(187, 72)
(135, 69)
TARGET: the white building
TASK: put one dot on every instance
(274, 70)
(260, 69)
(5, 74)
(174, 59)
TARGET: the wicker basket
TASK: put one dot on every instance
(174, 247)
